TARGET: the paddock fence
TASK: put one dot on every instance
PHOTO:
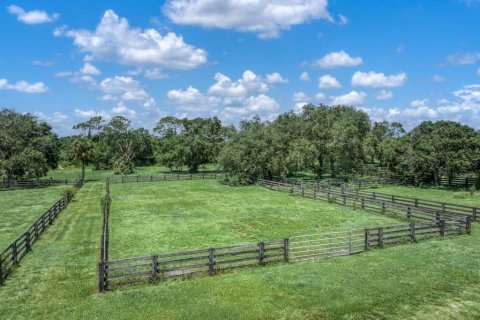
(167, 177)
(158, 268)
(11, 256)
(36, 183)
(379, 202)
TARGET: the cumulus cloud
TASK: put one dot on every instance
(328, 82)
(82, 75)
(384, 95)
(32, 17)
(56, 117)
(463, 58)
(260, 104)
(263, 17)
(337, 59)
(275, 78)
(192, 100)
(125, 89)
(353, 98)
(23, 86)
(115, 40)
(304, 76)
(248, 84)
(378, 79)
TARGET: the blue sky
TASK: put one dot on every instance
(407, 61)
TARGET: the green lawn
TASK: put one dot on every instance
(458, 197)
(149, 218)
(19, 208)
(435, 279)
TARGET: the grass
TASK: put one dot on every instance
(69, 171)
(21, 207)
(435, 279)
(149, 218)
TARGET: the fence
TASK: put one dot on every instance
(105, 236)
(150, 269)
(166, 177)
(7, 184)
(364, 202)
(11, 256)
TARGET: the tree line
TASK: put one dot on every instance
(321, 140)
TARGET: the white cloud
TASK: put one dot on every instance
(275, 78)
(378, 79)
(342, 20)
(263, 17)
(85, 113)
(439, 78)
(119, 84)
(353, 98)
(56, 117)
(32, 17)
(419, 103)
(328, 82)
(464, 58)
(82, 75)
(299, 96)
(260, 104)
(192, 100)
(154, 73)
(23, 86)
(304, 76)
(249, 84)
(89, 69)
(337, 59)
(115, 40)
(384, 95)
(478, 71)
(320, 97)
(122, 109)
(108, 97)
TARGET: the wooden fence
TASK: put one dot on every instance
(211, 261)
(9, 184)
(166, 177)
(11, 256)
(384, 206)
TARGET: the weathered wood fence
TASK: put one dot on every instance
(11, 256)
(102, 267)
(166, 177)
(35, 183)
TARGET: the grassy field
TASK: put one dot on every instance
(436, 279)
(149, 218)
(67, 171)
(20, 208)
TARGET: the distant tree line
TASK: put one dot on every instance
(322, 140)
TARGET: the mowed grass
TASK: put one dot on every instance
(159, 217)
(442, 195)
(435, 279)
(19, 208)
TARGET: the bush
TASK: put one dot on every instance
(123, 167)
(67, 192)
(472, 190)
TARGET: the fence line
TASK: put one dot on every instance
(166, 177)
(105, 237)
(211, 261)
(11, 256)
(9, 184)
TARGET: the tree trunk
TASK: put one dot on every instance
(332, 168)
(435, 177)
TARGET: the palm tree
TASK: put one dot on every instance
(81, 150)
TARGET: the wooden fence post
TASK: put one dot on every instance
(14, 253)
(474, 214)
(101, 277)
(35, 227)
(314, 194)
(261, 254)
(412, 232)
(380, 237)
(442, 228)
(154, 268)
(211, 261)
(468, 223)
(367, 239)
(363, 203)
(344, 199)
(28, 246)
(286, 249)
(383, 207)
(409, 213)
(393, 198)
(416, 202)
(443, 207)
(374, 195)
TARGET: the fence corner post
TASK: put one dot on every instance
(101, 277)
(367, 239)
(286, 249)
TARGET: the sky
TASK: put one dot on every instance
(407, 61)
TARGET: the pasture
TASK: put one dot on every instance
(20, 207)
(436, 278)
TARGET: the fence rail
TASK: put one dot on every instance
(10, 184)
(166, 177)
(11, 256)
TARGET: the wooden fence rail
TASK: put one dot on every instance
(11, 256)
(10, 184)
(150, 269)
(166, 177)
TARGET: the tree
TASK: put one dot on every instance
(28, 147)
(89, 127)
(82, 150)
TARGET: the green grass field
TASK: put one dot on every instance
(435, 279)
(149, 218)
(19, 208)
